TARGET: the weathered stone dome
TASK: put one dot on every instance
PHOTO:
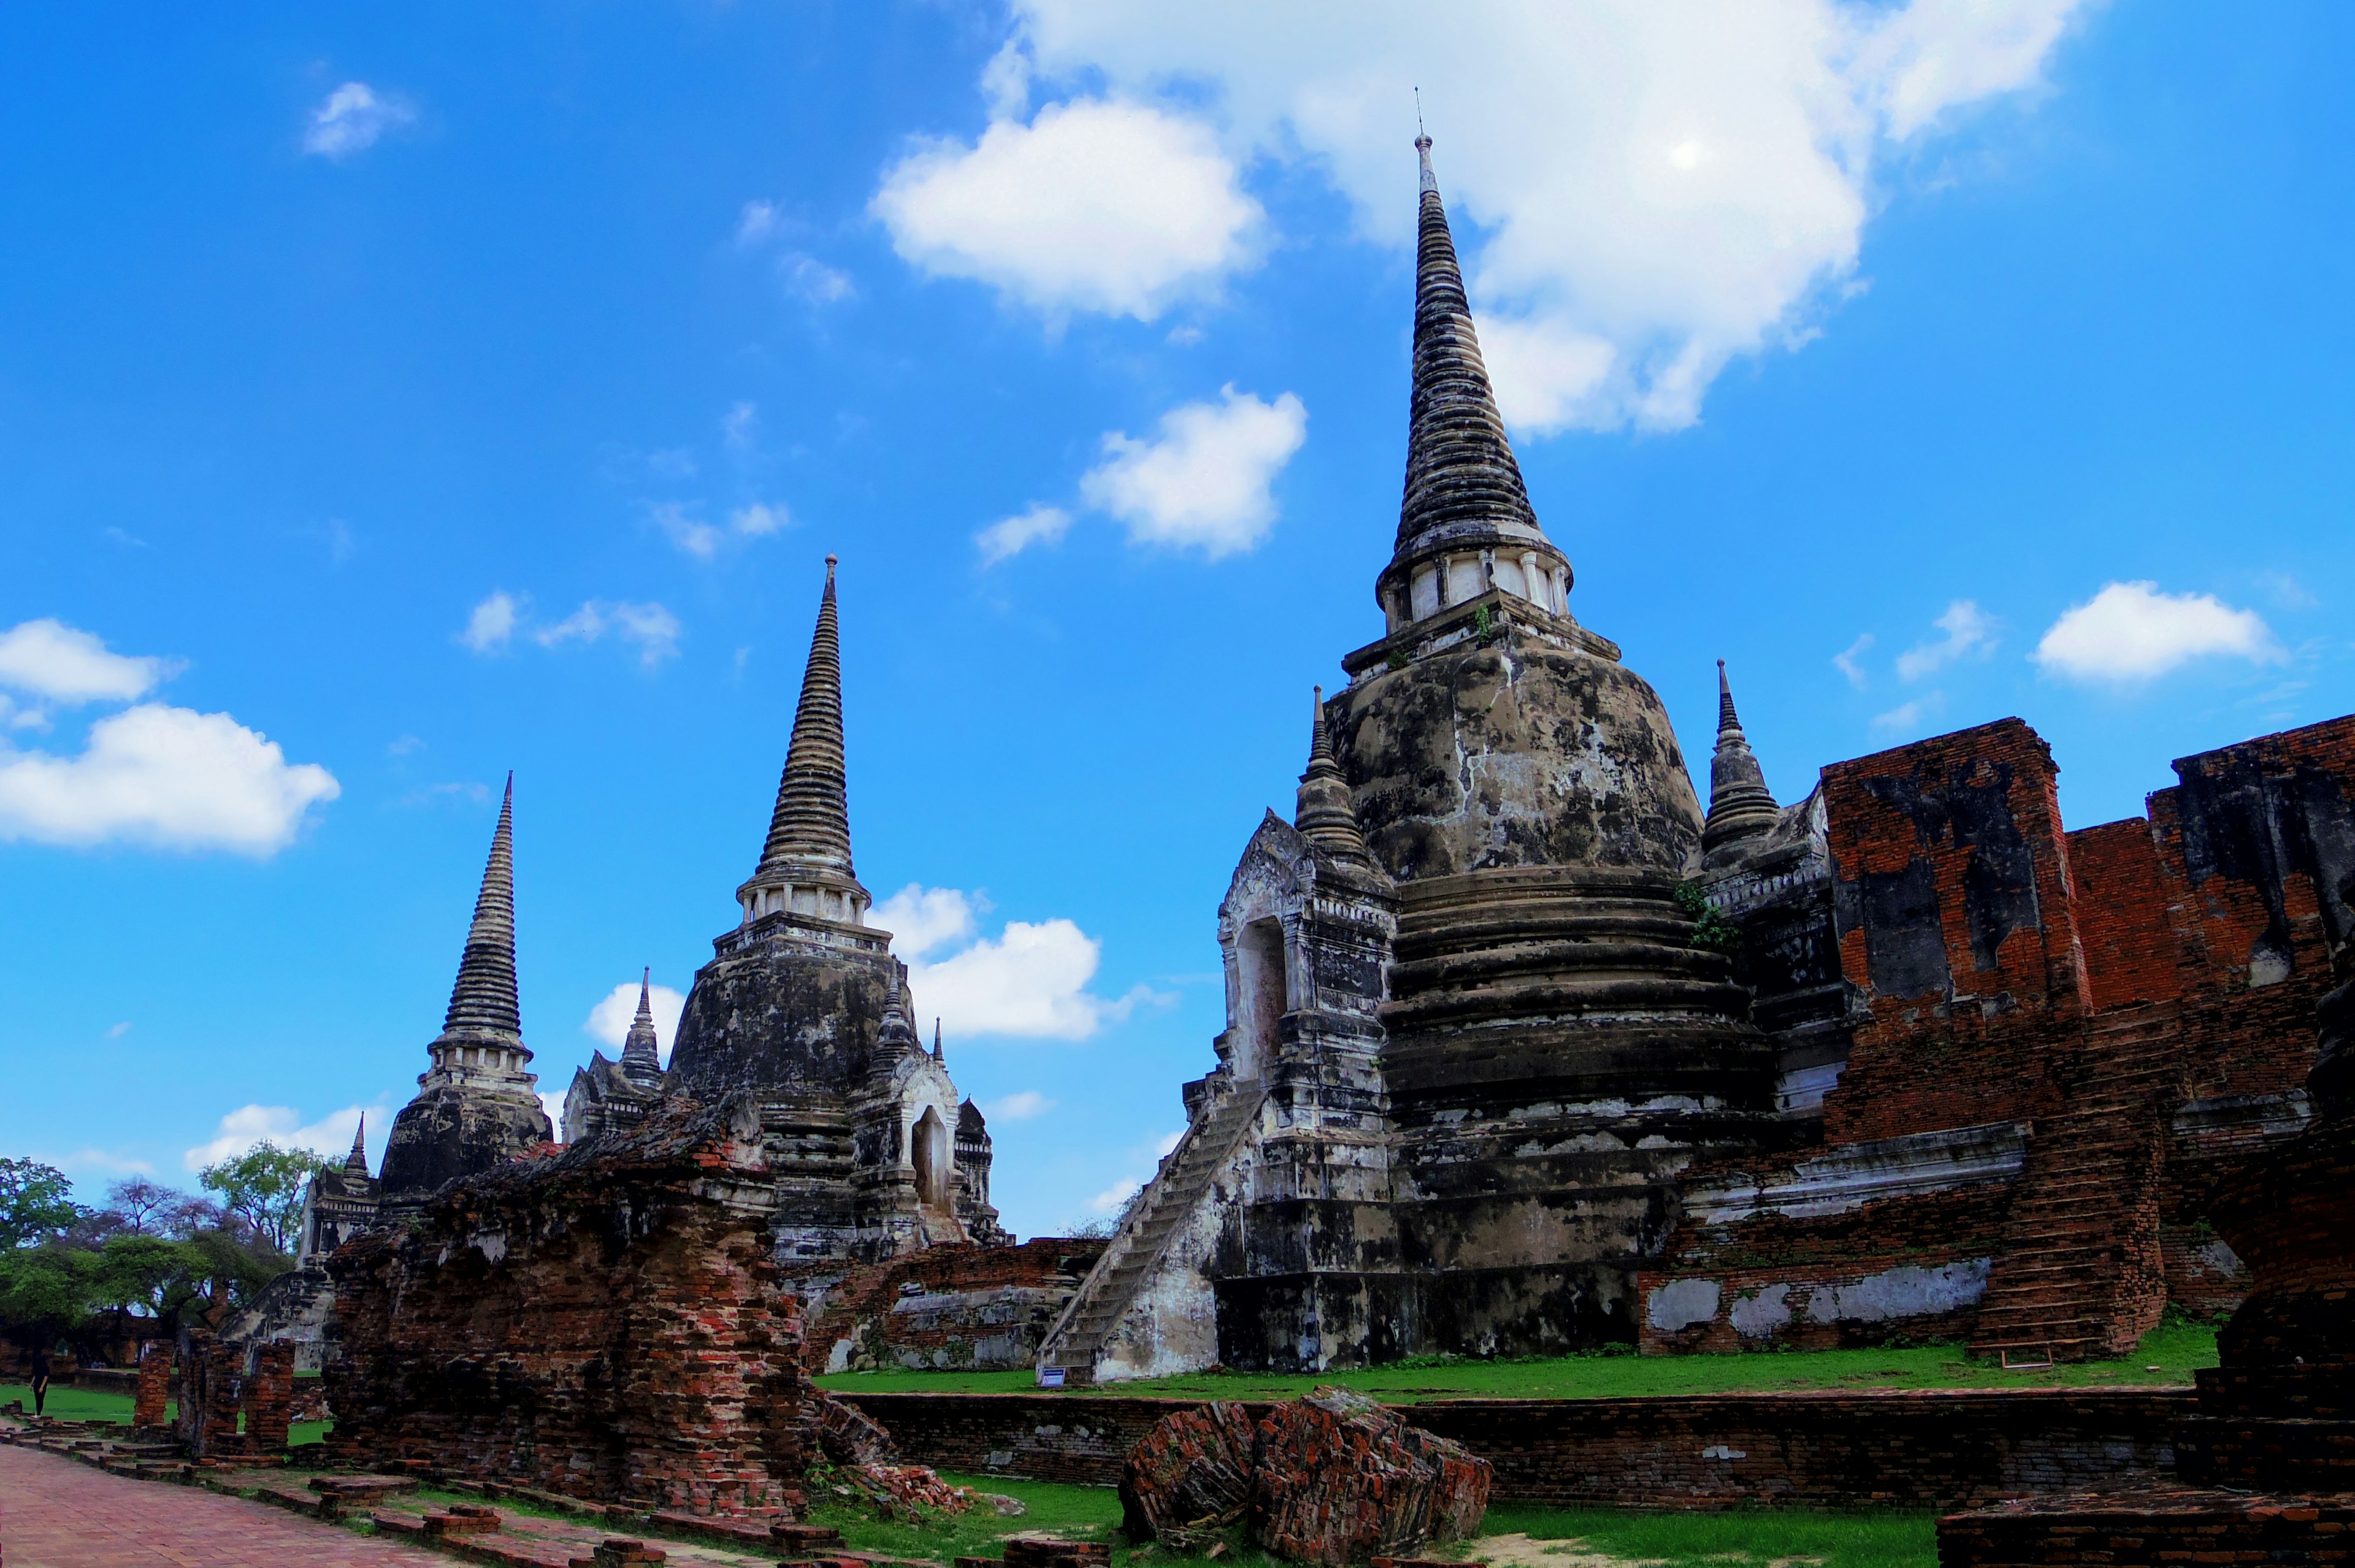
(1516, 753)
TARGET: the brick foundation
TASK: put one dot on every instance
(1917, 1449)
(606, 1323)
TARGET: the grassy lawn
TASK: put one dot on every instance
(90, 1404)
(2175, 1350)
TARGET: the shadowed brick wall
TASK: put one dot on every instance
(1932, 1448)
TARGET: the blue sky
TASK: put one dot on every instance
(433, 392)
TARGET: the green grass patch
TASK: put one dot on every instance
(1079, 1513)
(73, 1403)
(94, 1405)
(2176, 1350)
(1888, 1537)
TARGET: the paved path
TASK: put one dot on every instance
(60, 1513)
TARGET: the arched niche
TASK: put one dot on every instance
(930, 1148)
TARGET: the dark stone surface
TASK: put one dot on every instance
(783, 1010)
(1516, 753)
(451, 1132)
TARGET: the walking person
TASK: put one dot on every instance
(40, 1381)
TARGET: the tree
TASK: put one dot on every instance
(143, 1204)
(36, 1201)
(263, 1188)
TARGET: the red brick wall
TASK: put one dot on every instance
(1972, 822)
(606, 1323)
(2126, 908)
(1925, 1449)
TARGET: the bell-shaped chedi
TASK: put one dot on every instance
(1488, 728)
(1558, 1049)
(476, 1104)
(794, 995)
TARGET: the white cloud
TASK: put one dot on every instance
(692, 535)
(1644, 192)
(352, 117)
(1030, 980)
(551, 1105)
(921, 919)
(2131, 632)
(760, 518)
(740, 427)
(1969, 630)
(492, 623)
(653, 629)
(165, 776)
(1909, 716)
(1110, 1200)
(104, 1162)
(15, 716)
(812, 281)
(1019, 1106)
(118, 1030)
(1095, 204)
(49, 659)
(758, 220)
(671, 463)
(1204, 480)
(1846, 661)
(1011, 535)
(611, 1019)
(330, 1136)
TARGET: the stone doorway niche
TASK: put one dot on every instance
(1263, 995)
(930, 1145)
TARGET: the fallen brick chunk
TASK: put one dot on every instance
(1338, 1477)
(805, 1535)
(615, 1552)
(1192, 1470)
(393, 1523)
(462, 1519)
(844, 1433)
(1051, 1552)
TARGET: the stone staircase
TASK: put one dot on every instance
(1093, 1315)
(2080, 1278)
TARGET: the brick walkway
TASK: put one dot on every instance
(58, 1513)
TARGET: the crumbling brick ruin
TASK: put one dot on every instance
(605, 1322)
(220, 1385)
(1495, 1081)
(964, 1308)
(2265, 1469)
(2058, 1042)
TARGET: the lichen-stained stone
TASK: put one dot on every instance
(606, 1323)
(1192, 1471)
(1516, 753)
(1339, 1478)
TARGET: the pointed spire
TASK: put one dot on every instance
(894, 1032)
(1324, 815)
(808, 845)
(1463, 485)
(484, 999)
(356, 1162)
(641, 1048)
(1740, 807)
(936, 1041)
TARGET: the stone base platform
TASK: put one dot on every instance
(2151, 1526)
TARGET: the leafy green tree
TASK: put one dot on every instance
(43, 1294)
(263, 1188)
(148, 1274)
(36, 1201)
